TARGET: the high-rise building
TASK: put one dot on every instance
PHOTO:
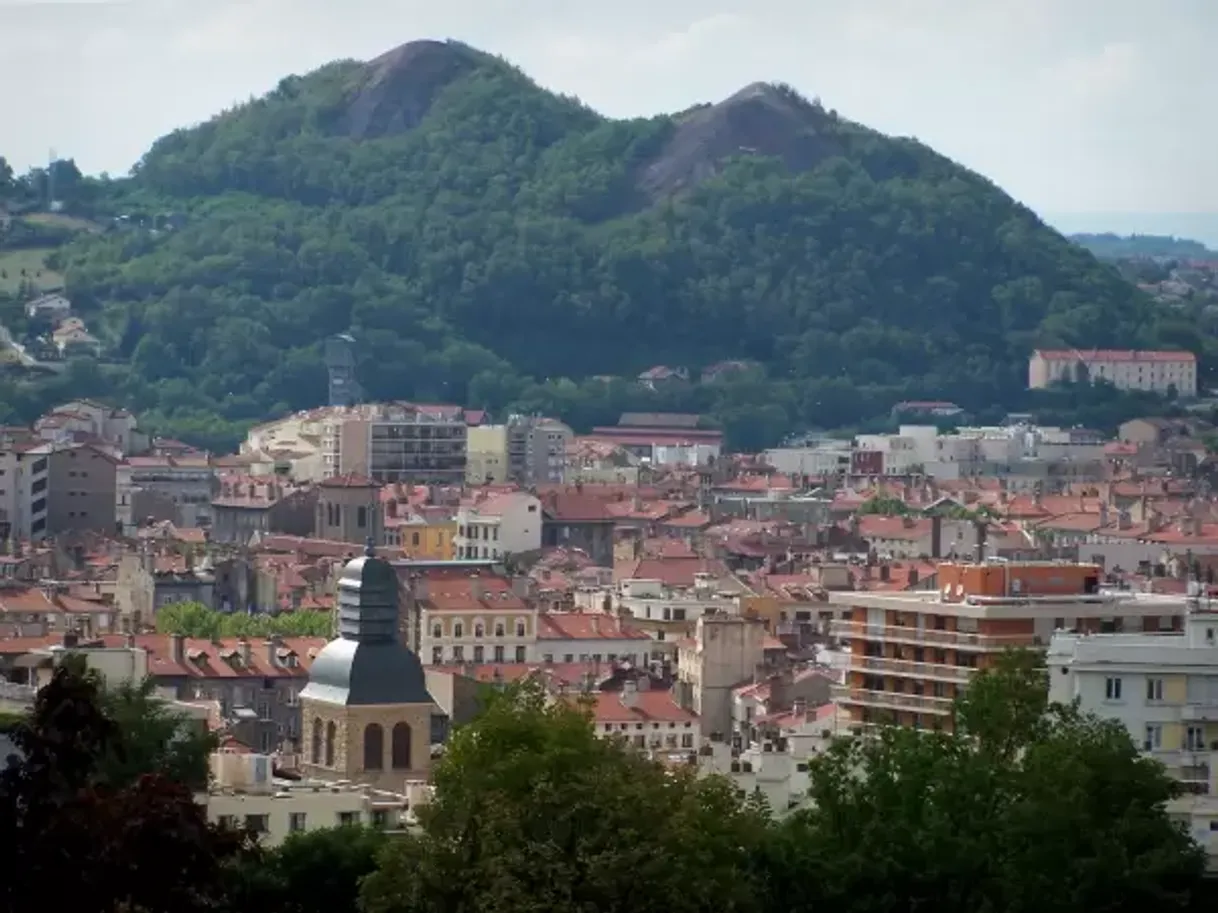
(397, 442)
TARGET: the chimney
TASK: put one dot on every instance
(476, 588)
(177, 648)
(272, 645)
(886, 572)
(243, 645)
(799, 706)
(936, 536)
(630, 693)
(981, 530)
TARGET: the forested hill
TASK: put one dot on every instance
(493, 243)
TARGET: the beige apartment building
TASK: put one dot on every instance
(912, 653)
(1125, 369)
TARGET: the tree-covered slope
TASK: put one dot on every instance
(1110, 246)
(491, 242)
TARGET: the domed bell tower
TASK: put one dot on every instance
(366, 711)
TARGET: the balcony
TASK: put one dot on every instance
(891, 700)
(961, 640)
(1200, 711)
(911, 669)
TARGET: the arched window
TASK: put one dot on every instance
(499, 629)
(458, 629)
(479, 630)
(374, 747)
(401, 746)
(331, 733)
(437, 630)
(316, 740)
(519, 628)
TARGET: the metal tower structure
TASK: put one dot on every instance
(340, 365)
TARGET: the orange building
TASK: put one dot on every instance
(911, 653)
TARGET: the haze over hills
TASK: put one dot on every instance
(1108, 246)
(493, 243)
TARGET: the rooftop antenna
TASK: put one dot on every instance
(51, 180)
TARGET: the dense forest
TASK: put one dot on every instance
(491, 243)
(1120, 247)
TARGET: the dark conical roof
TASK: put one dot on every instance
(367, 663)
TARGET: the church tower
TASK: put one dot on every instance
(366, 711)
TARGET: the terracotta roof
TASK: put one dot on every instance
(650, 706)
(584, 626)
(349, 480)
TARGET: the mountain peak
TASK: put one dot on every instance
(398, 87)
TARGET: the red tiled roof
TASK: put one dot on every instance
(650, 706)
(584, 626)
(349, 480)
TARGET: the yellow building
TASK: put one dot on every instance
(486, 456)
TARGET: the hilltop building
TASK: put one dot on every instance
(1125, 369)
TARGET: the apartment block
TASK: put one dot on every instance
(912, 653)
(1164, 689)
(397, 442)
(1125, 369)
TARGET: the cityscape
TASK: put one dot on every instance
(425, 489)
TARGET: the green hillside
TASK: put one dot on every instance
(493, 243)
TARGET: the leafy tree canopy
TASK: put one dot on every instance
(193, 619)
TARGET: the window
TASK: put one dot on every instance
(478, 653)
(401, 746)
(499, 653)
(1194, 739)
(458, 630)
(520, 654)
(331, 735)
(687, 740)
(296, 822)
(228, 822)
(437, 655)
(380, 819)
(414, 539)
(1112, 689)
(520, 629)
(259, 824)
(499, 629)
(1154, 737)
(1154, 689)
(458, 654)
(361, 517)
(316, 756)
(374, 747)
(479, 630)
(437, 630)
(348, 818)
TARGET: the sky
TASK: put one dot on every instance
(1096, 113)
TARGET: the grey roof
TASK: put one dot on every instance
(367, 664)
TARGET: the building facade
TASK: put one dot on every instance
(1125, 369)
(911, 653)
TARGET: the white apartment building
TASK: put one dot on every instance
(1164, 689)
(396, 442)
(1125, 369)
(245, 792)
(30, 481)
(493, 526)
(824, 459)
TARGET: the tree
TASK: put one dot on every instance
(193, 619)
(151, 738)
(533, 811)
(6, 178)
(1024, 808)
(311, 872)
(143, 846)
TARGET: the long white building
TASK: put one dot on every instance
(1125, 369)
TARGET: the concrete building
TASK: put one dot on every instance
(536, 449)
(31, 492)
(116, 427)
(367, 712)
(1164, 689)
(912, 653)
(397, 442)
(185, 482)
(246, 506)
(1126, 369)
(725, 651)
(244, 792)
(81, 489)
(472, 615)
(495, 525)
(486, 460)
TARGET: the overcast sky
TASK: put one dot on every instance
(1073, 106)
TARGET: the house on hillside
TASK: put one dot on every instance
(71, 338)
(662, 376)
(52, 307)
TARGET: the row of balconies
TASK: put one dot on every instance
(912, 669)
(891, 700)
(968, 640)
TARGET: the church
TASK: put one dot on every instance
(366, 713)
